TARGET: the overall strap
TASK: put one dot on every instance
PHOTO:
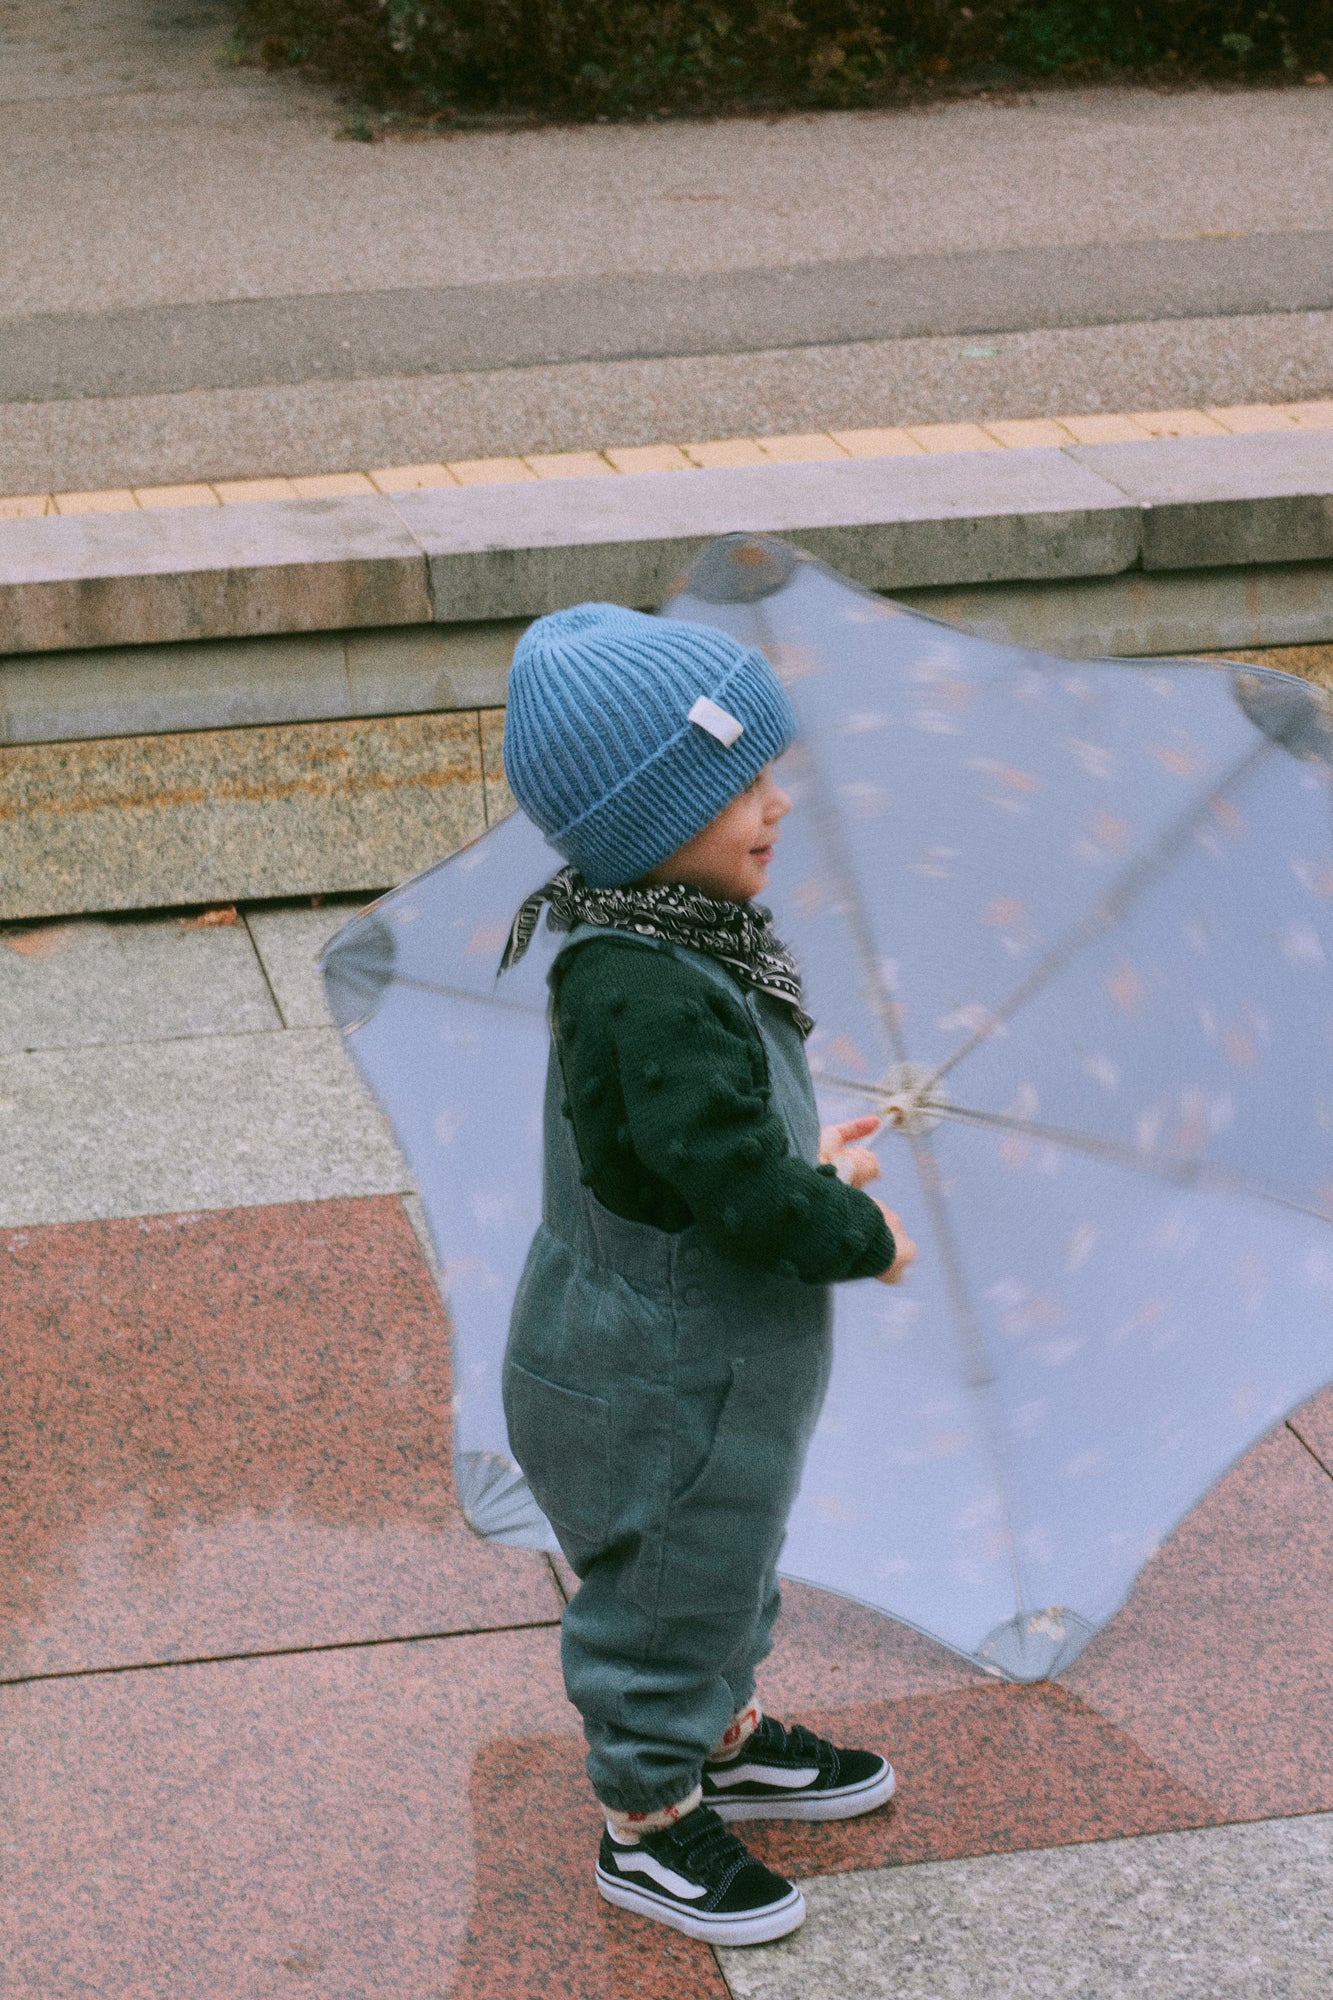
(586, 933)
(778, 1036)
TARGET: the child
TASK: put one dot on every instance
(669, 1347)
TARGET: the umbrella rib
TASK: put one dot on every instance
(1104, 912)
(978, 1374)
(462, 993)
(1181, 1173)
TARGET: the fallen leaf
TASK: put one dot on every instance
(39, 943)
(209, 919)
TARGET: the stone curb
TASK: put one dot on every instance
(486, 552)
(879, 441)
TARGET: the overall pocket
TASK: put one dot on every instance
(562, 1440)
(727, 1524)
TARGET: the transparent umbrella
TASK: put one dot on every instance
(1067, 927)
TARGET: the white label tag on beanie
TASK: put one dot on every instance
(716, 721)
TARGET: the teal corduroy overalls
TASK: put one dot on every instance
(660, 1401)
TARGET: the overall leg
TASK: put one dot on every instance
(650, 1687)
(740, 1672)
(673, 1615)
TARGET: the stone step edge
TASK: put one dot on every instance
(464, 554)
(1013, 433)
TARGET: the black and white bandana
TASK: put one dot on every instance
(739, 935)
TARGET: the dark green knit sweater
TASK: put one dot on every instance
(666, 1082)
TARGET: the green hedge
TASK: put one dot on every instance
(590, 58)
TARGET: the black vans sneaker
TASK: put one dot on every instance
(794, 1774)
(698, 1878)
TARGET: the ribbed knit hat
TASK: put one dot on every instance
(626, 734)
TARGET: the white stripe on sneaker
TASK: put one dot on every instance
(762, 1774)
(752, 1927)
(633, 1861)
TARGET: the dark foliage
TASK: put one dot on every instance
(590, 58)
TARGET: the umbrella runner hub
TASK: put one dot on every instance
(907, 1101)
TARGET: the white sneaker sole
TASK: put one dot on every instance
(845, 1803)
(757, 1927)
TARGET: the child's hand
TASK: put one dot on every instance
(856, 1164)
(906, 1249)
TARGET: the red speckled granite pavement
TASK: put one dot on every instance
(275, 1722)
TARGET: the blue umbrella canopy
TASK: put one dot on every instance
(1068, 929)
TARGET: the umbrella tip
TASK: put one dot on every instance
(357, 967)
(739, 569)
(1288, 711)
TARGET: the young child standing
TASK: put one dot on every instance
(670, 1341)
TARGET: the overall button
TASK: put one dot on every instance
(692, 1254)
(694, 1295)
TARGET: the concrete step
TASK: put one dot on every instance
(305, 696)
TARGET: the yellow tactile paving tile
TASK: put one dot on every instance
(806, 446)
(884, 441)
(231, 491)
(1028, 433)
(1101, 428)
(1240, 417)
(410, 478)
(566, 464)
(953, 437)
(488, 471)
(331, 485)
(176, 496)
(648, 458)
(723, 452)
(1177, 423)
(118, 501)
(1312, 416)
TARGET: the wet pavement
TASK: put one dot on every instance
(275, 1721)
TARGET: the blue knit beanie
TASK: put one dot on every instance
(626, 734)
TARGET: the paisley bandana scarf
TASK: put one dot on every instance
(739, 935)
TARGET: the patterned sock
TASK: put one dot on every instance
(626, 1827)
(736, 1734)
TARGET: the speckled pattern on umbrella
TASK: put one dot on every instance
(1069, 928)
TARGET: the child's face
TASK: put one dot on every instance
(731, 856)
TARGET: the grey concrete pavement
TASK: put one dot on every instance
(453, 329)
(70, 52)
(201, 183)
(408, 420)
(183, 184)
(288, 943)
(149, 1066)
(1228, 1913)
(147, 1069)
(220, 1121)
(87, 984)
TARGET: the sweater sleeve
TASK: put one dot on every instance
(694, 1081)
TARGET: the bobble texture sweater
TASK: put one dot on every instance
(666, 1082)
